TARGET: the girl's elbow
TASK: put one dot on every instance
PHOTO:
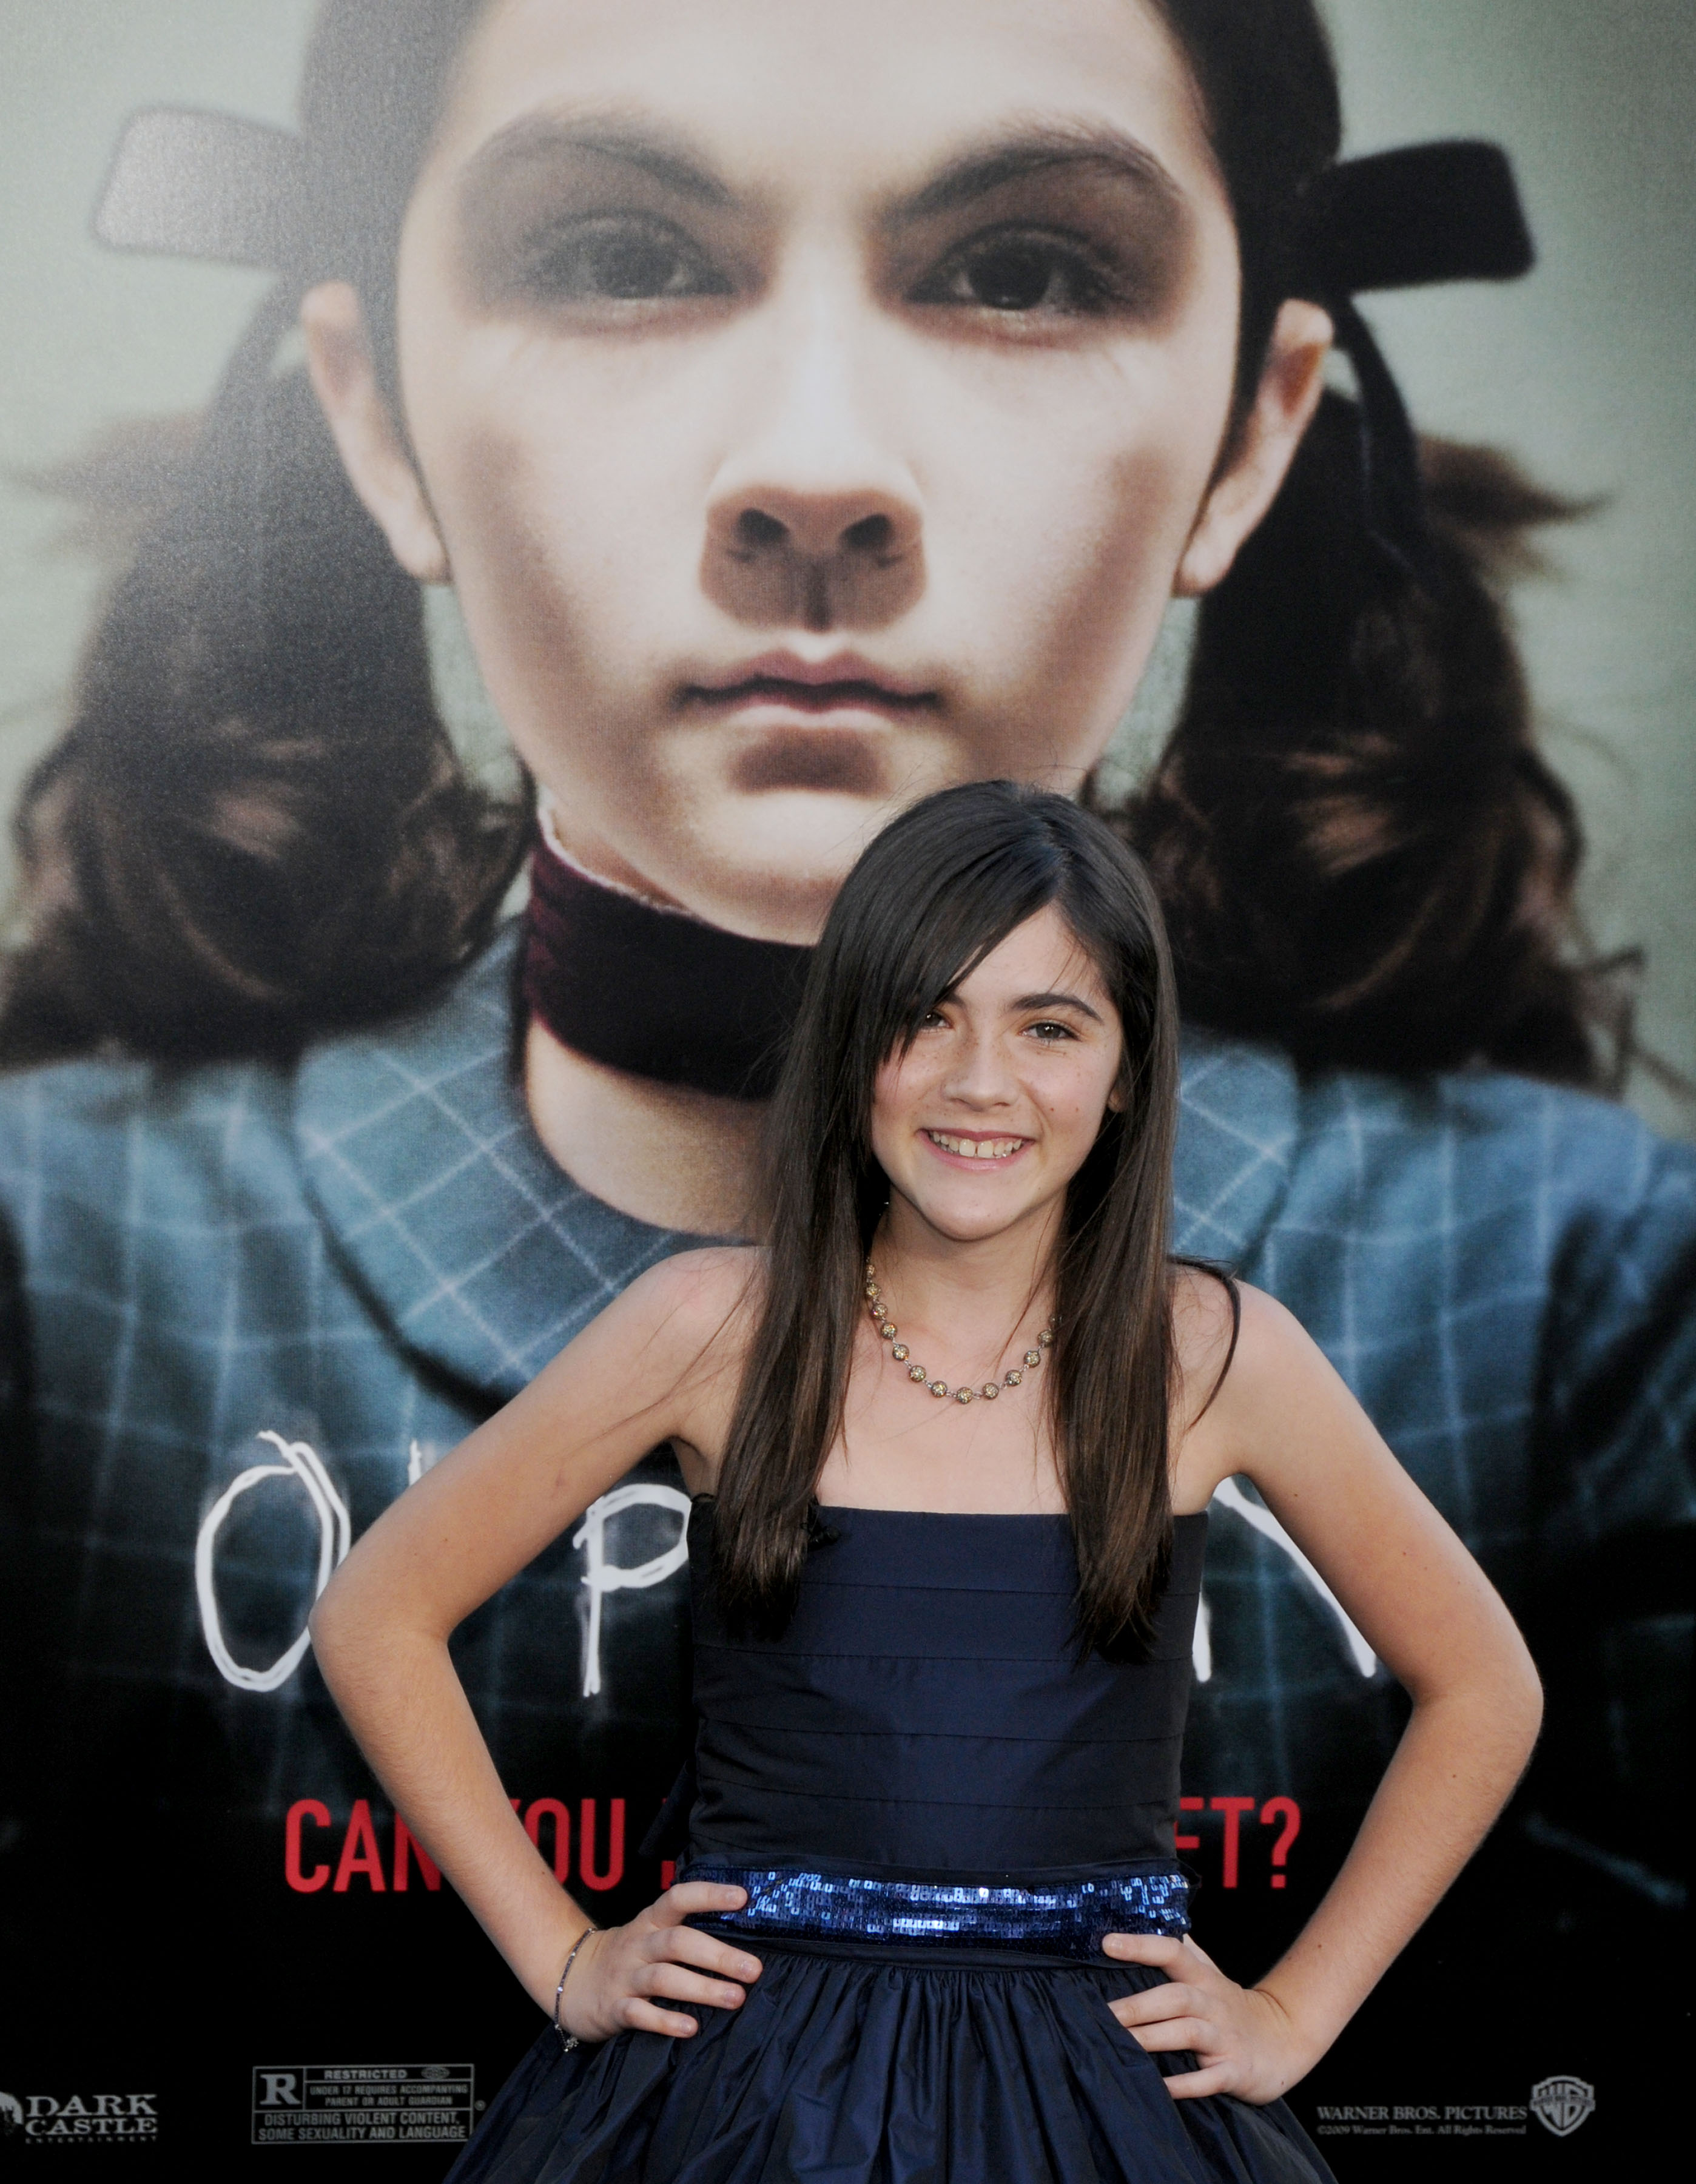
(1512, 1695)
(1520, 1674)
(330, 1624)
(362, 1619)
(1500, 1697)
(321, 1629)
(1527, 1701)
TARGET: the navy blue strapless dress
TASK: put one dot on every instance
(937, 1812)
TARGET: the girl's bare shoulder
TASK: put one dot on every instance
(1230, 1334)
(1257, 1394)
(697, 1303)
(1206, 1308)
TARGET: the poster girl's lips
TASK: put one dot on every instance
(844, 683)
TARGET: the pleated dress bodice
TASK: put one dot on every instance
(926, 1711)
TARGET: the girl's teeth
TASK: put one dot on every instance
(978, 1149)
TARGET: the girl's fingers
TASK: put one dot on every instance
(688, 1899)
(641, 1967)
(1155, 2004)
(1160, 1950)
(1195, 2033)
(676, 1983)
(1197, 2085)
(687, 1945)
(640, 2016)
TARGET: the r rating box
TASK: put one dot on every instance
(363, 2103)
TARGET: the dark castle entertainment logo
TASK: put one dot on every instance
(121, 2119)
(1561, 2105)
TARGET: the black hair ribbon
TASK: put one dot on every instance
(1414, 217)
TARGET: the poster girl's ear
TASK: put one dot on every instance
(344, 378)
(1261, 449)
(1403, 219)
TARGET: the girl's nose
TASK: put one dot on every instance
(979, 1077)
(864, 524)
(815, 487)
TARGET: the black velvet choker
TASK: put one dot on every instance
(653, 991)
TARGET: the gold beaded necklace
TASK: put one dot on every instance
(965, 1393)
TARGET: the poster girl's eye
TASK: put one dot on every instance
(619, 258)
(1024, 270)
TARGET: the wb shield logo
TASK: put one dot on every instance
(1561, 2105)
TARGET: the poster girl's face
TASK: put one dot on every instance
(814, 405)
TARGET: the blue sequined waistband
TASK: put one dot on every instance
(1069, 1918)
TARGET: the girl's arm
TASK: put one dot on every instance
(1283, 1416)
(660, 1363)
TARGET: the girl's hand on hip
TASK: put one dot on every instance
(1243, 2038)
(624, 1976)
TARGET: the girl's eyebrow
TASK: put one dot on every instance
(669, 157)
(1093, 149)
(1054, 1001)
(538, 140)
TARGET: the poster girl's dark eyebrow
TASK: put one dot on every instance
(536, 140)
(1104, 153)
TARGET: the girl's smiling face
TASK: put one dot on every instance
(983, 1121)
(813, 406)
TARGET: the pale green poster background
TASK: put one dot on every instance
(1584, 371)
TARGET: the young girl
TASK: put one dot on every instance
(810, 406)
(952, 1433)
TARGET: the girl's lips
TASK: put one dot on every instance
(975, 1149)
(766, 692)
(844, 682)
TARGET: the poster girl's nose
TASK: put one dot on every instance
(863, 527)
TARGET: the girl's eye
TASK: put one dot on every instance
(1050, 1034)
(1020, 271)
(621, 258)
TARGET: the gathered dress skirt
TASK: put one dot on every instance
(857, 2067)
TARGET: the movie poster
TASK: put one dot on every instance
(304, 609)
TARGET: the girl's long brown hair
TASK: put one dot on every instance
(936, 892)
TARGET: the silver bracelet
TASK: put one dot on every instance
(568, 2041)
